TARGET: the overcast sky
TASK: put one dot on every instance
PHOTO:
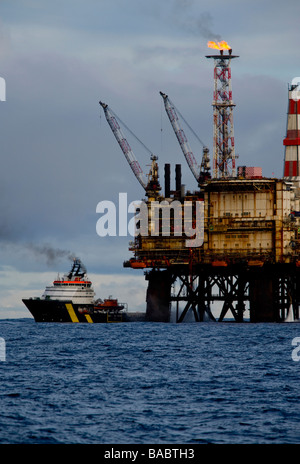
(58, 155)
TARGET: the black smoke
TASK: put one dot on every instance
(50, 254)
(194, 23)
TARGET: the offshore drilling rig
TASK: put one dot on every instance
(248, 261)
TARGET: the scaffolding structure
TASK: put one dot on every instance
(223, 132)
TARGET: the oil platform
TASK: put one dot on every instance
(248, 261)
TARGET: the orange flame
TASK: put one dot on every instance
(219, 45)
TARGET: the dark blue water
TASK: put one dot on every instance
(149, 383)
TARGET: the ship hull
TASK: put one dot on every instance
(66, 311)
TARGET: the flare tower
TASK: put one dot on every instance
(223, 133)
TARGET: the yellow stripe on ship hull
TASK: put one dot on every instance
(88, 318)
(71, 312)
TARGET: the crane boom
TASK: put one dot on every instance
(198, 171)
(125, 147)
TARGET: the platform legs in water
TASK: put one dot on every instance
(269, 294)
(158, 296)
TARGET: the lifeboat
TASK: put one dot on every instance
(109, 304)
(218, 263)
(137, 264)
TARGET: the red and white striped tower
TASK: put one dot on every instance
(292, 139)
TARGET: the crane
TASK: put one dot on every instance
(201, 173)
(151, 185)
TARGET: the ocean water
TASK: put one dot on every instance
(149, 383)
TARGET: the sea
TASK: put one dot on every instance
(149, 383)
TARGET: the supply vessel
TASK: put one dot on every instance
(72, 299)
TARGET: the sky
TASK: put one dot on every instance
(59, 157)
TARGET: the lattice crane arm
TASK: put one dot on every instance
(183, 141)
(125, 147)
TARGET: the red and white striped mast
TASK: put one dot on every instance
(223, 137)
(292, 139)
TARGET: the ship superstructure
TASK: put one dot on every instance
(74, 286)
